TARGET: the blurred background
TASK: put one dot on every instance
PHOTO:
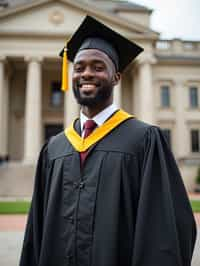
(174, 19)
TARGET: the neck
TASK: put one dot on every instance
(91, 111)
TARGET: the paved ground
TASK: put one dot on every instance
(196, 255)
(11, 238)
(12, 234)
(12, 223)
(10, 248)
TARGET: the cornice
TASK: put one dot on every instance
(90, 9)
(173, 59)
(62, 35)
(33, 58)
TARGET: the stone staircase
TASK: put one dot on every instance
(16, 180)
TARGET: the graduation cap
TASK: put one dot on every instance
(92, 34)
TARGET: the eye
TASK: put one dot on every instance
(99, 68)
(78, 68)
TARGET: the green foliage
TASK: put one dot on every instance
(198, 176)
(14, 207)
(195, 205)
(22, 207)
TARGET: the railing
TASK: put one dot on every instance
(178, 46)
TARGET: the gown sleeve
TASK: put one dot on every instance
(165, 230)
(34, 228)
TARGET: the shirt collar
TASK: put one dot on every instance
(101, 117)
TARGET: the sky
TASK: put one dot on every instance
(174, 18)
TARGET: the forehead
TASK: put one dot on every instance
(92, 54)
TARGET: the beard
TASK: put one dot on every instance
(102, 94)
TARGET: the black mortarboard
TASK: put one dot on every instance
(92, 34)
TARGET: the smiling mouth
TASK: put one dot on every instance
(87, 88)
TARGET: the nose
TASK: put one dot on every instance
(87, 73)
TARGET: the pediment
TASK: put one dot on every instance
(61, 17)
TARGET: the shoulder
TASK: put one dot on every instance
(134, 127)
(136, 124)
(58, 146)
(139, 133)
(128, 137)
(145, 131)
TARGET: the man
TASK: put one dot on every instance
(112, 196)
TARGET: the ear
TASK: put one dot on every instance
(116, 78)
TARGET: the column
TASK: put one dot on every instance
(117, 94)
(5, 106)
(71, 108)
(2, 88)
(146, 92)
(181, 129)
(33, 110)
(135, 92)
(3, 110)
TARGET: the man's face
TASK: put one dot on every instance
(93, 77)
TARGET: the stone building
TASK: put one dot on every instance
(162, 86)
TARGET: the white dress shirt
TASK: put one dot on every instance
(100, 118)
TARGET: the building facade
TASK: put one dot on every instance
(162, 86)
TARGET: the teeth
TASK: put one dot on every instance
(88, 86)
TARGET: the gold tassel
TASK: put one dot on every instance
(65, 83)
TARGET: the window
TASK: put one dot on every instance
(193, 97)
(167, 134)
(163, 45)
(56, 94)
(188, 45)
(195, 145)
(165, 96)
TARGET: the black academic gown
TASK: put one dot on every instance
(126, 207)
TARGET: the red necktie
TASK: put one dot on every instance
(88, 127)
